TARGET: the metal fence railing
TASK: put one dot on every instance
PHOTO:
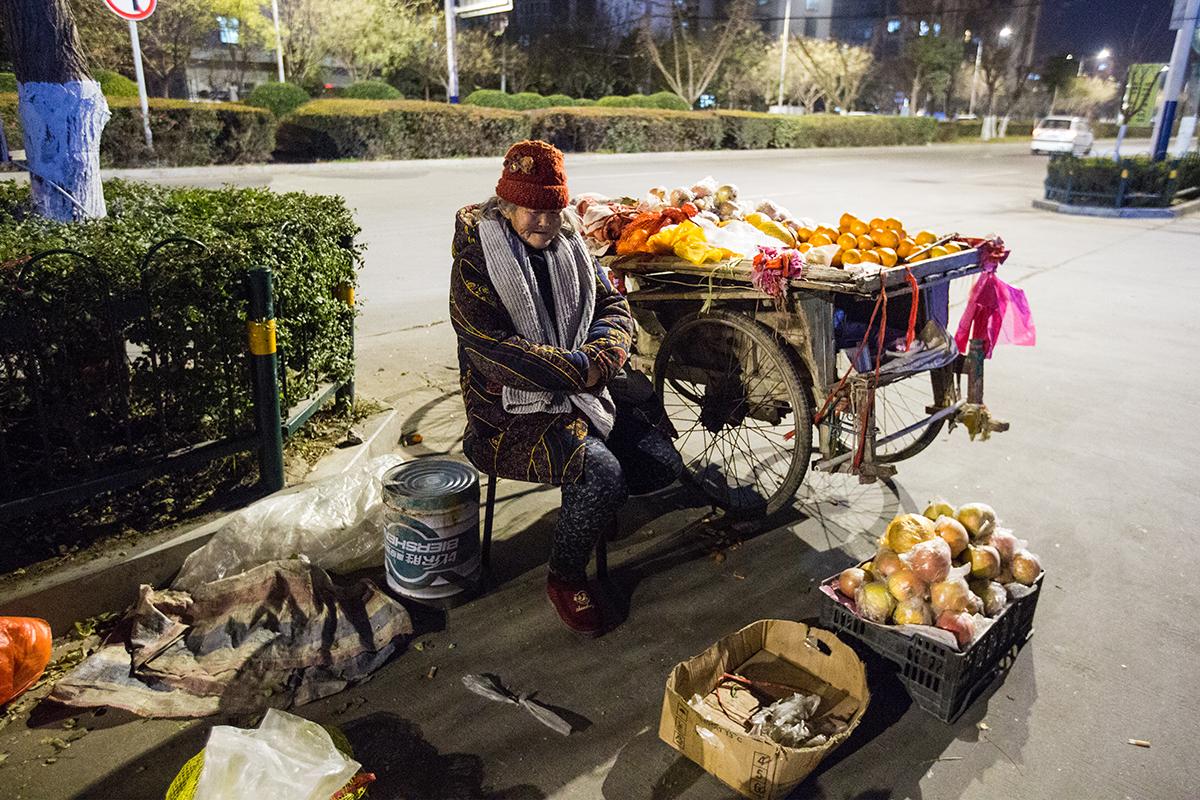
(1127, 183)
(95, 402)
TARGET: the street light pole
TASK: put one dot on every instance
(278, 39)
(787, 20)
(975, 76)
(451, 63)
(1176, 74)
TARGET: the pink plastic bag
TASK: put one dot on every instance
(996, 312)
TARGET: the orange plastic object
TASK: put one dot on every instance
(25, 644)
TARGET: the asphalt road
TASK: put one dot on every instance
(1099, 463)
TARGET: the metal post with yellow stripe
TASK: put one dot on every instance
(345, 293)
(264, 367)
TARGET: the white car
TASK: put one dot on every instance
(1062, 135)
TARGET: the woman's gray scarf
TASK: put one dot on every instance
(573, 286)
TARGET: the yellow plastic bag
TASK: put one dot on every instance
(686, 240)
(772, 228)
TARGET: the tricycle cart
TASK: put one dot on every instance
(752, 383)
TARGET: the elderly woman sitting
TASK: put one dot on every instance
(542, 338)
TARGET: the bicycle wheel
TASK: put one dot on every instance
(741, 407)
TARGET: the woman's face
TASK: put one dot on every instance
(536, 228)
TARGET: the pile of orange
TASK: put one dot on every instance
(879, 241)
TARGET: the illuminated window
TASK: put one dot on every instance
(937, 28)
(812, 5)
(893, 26)
(229, 30)
(923, 28)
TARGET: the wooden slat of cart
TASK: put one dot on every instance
(817, 278)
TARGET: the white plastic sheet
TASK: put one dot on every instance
(285, 758)
(336, 523)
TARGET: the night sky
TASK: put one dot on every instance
(1135, 30)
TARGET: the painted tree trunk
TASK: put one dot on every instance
(62, 109)
(63, 123)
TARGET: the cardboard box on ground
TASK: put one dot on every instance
(780, 657)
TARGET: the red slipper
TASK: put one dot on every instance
(576, 606)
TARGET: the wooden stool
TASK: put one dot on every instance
(489, 511)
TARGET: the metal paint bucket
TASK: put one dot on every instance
(431, 529)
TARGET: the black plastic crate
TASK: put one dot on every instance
(942, 681)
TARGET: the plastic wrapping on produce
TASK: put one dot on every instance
(285, 758)
(982, 623)
(337, 523)
(736, 236)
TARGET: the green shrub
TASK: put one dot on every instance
(184, 133)
(628, 130)
(668, 100)
(371, 90)
(1096, 181)
(8, 83)
(489, 98)
(114, 84)
(559, 100)
(280, 99)
(613, 101)
(183, 376)
(527, 101)
(752, 130)
(326, 129)
(584, 101)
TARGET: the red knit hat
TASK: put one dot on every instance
(534, 177)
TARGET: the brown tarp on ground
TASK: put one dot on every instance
(279, 635)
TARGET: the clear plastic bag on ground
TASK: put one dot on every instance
(337, 523)
(285, 758)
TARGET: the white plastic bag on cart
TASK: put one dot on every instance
(337, 523)
(285, 758)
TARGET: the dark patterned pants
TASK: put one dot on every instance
(636, 459)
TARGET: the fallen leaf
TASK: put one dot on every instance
(983, 726)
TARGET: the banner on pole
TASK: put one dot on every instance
(1145, 80)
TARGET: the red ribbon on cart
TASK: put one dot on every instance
(996, 311)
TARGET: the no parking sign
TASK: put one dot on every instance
(133, 10)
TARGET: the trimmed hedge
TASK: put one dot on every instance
(669, 101)
(397, 129)
(559, 100)
(185, 134)
(371, 90)
(747, 130)
(200, 388)
(114, 84)
(8, 83)
(280, 99)
(628, 130)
